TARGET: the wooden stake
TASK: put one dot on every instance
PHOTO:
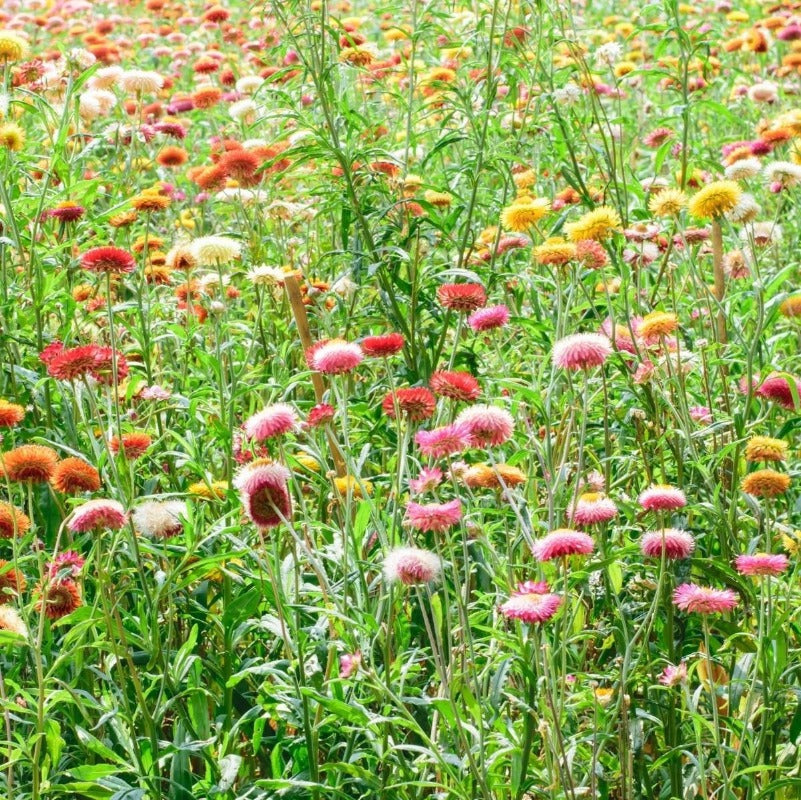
(302, 321)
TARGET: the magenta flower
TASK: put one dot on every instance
(662, 498)
(333, 356)
(673, 675)
(488, 425)
(274, 420)
(703, 599)
(434, 516)
(97, 514)
(485, 319)
(562, 543)
(264, 494)
(581, 351)
(761, 564)
(426, 481)
(444, 441)
(591, 509)
(670, 541)
(532, 603)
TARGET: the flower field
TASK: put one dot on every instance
(400, 400)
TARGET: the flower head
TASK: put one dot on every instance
(592, 508)
(334, 356)
(444, 441)
(264, 493)
(74, 475)
(581, 351)
(11, 414)
(489, 318)
(434, 516)
(703, 599)
(487, 425)
(13, 522)
(524, 212)
(765, 483)
(715, 199)
(96, 515)
(462, 297)
(532, 603)
(272, 421)
(29, 462)
(673, 675)
(597, 225)
(159, 518)
(108, 260)
(58, 598)
(761, 564)
(455, 385)
(382, 346)
(562, 543)
(415, 404)
(763, 448)
(661, 497)
(410, 565)
(670, 542)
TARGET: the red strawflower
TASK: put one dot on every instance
(415, 404)
(462, 297)
(382, 346)
(320, 414)
(456, 385)
(132, 446)
(108, 259)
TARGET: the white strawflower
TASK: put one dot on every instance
(248, 84)
(609, 53)
(266, 276)
(568, 94)
(743, 169)
(140, 81)
(243, 109)
(159, 518)
(784, 172)
(10, 620)
(106, 77)
(212, 250)
(746, 209)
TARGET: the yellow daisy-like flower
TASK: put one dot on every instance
(658, 324)
(792, 542)
(349, 482)
(12, 137)
(624, 68)
(597, 224)
(555, 251)
(438, 199)
(486, 477)
(524, 179)
(12, 46)
(667, 203)
(524, 212)
(311, 464)
(764, 448)
(208, 491)
(791, 307)
(715, 199)
(765, 483)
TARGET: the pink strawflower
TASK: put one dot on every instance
(410, 565)
(581, 351)
(485, 319)
(761, 564)
(661, 497)
(274, 420)
(68, 561)
(673, 675)
(434, 516)
(776, 387)
(592, 509)
(334, 356)
(155, 392)
(701, 414)
(426, 481)
(672, 542)
(264, 494)
(444, 441)
(349, 663)
(532, 603)
(703, 599)
(488, 425)
(561, 543)
(96, 515)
